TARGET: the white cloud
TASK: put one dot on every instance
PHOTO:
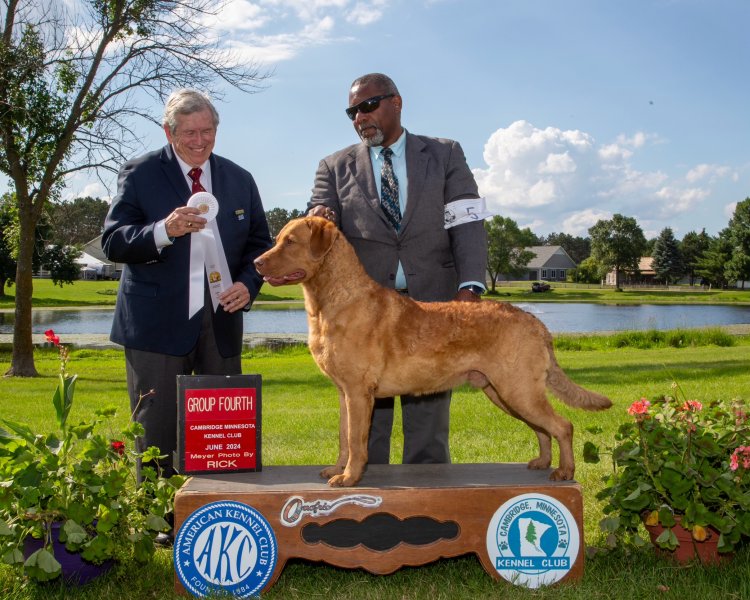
(94, 189)
(239, 15)
(566, 180)
(580, 222)
(710, 172)
(271, 31)
(270, 49)
(365, 13)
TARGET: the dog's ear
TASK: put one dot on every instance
(323, 234)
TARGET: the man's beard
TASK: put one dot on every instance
(373, 140)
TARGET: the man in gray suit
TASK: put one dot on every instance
(396, 198)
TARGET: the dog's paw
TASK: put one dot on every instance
(538, 464)
(343, 480)
(561, 475)
(338, 481)
(330, 472)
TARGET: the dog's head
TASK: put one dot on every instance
(300, 248)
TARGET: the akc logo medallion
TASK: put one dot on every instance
(225, 546)
(533, 540)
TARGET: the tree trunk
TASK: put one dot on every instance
(22, 361)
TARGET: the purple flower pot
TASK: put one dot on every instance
(75, 570)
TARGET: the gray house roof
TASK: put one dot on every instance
(94, 248)
(550, 257)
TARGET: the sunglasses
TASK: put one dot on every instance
(366, 106)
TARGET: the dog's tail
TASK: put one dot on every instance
(569, 392)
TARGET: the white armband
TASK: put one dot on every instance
(459, 212)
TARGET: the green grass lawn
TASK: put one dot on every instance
(300, 421)
(103, 293)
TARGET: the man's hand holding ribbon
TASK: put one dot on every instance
(184, 220)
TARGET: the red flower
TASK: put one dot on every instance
(51, 337)
(640, 407)
(691, 405)
(118, 447)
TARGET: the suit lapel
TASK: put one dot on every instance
(416, 171)
(217, 181)
(174, 174)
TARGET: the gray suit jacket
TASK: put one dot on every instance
(435, 259)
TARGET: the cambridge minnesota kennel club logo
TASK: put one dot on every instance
(225, 546)
(532, 540)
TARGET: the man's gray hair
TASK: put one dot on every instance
(186, 102)
(383, 82)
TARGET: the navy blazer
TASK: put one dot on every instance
(152, 302)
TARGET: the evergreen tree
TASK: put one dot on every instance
(692, 247)
(738, 266)
(667, 260)
(278, 217)
(711, 266)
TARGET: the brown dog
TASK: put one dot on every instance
(373, 342)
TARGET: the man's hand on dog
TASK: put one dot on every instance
(323, 211)
(467, 296)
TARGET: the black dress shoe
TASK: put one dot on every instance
(164, 539)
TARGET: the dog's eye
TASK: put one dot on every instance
(288, 241)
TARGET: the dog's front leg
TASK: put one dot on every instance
(359, 407)
(338, 468)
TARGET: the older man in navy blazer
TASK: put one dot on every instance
(410, 245)
(151, 230)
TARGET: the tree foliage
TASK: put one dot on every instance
(666, 257)
(74, 78)
(692, 247)
(506, 244)
(60, 261)
(278, 217)
(588, 271)
(57, 258)
(77, 221)
(738, 266)
(617, 244)
(578, 248)
(711, 266)
(8, 224)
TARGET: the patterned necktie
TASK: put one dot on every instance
(195, 175)
(389, 190)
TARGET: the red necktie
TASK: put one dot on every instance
(195, 175)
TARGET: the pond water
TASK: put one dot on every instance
(558, 317)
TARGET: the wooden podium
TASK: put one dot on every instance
(410, 515)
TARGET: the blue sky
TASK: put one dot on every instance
(568, 111)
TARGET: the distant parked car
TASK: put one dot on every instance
(540, 286)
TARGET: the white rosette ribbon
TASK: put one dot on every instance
(207, 254)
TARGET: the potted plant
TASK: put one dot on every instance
(679, 465)
(77, 483)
